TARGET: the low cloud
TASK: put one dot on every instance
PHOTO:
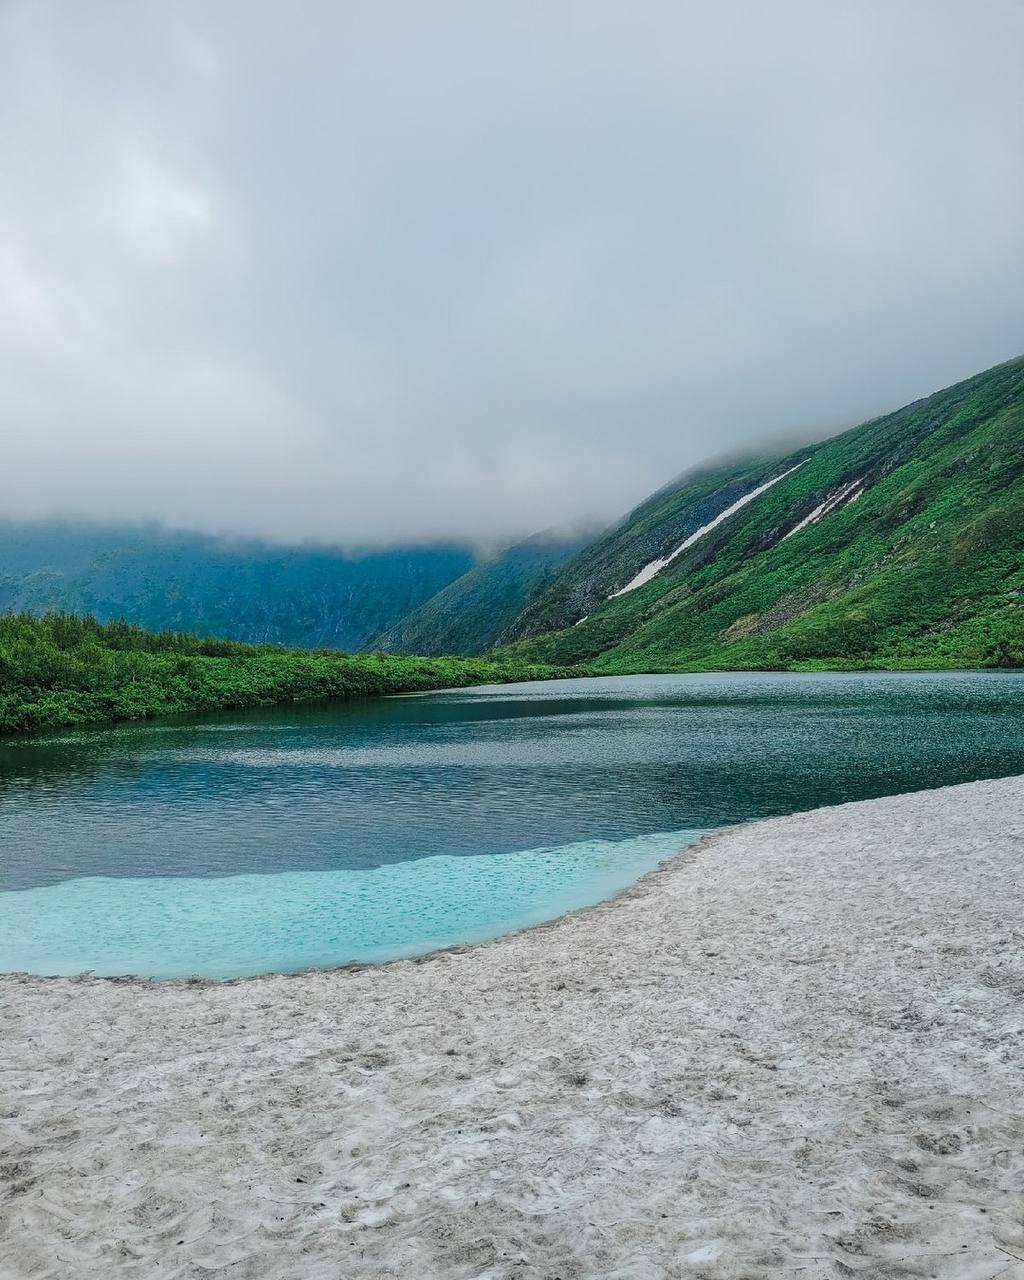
(373, 272)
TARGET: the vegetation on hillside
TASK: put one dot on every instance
(925, 568)
(65, 670)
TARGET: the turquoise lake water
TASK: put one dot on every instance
(284, 839)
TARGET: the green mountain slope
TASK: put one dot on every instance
(471, 614)
(249, 591)
(899, 543)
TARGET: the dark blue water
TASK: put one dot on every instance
(109, 836)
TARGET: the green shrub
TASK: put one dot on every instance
(63, 669)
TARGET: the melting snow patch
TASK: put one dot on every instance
(656, 566)
(840, 497)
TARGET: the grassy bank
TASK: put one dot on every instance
(64, 670)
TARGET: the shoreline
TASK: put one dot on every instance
(541, 675)
(638, 888)
(792, 1047)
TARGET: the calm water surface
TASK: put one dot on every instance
(275, 840)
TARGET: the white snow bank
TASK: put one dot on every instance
(655, 567)
(841, 497)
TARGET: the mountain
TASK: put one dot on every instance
(899, 543)
(472, 614)
(304, 596)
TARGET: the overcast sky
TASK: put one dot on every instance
(377, 271)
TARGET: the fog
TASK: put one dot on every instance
(390, 271)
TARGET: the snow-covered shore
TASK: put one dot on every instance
(796, 1049)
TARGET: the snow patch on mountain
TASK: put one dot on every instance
(841, 497)
(655, 566)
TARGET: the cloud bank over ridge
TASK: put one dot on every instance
(371, 272)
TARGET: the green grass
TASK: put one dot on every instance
(62, 669)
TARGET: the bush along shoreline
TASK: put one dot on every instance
(62, 669)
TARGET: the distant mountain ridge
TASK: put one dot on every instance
(473, 613)
(309, 597)
(897, 543)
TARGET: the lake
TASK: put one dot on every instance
(282, 839)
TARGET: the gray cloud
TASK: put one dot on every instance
(380, 271)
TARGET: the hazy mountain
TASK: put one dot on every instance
(472, 614)
(305, 596)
